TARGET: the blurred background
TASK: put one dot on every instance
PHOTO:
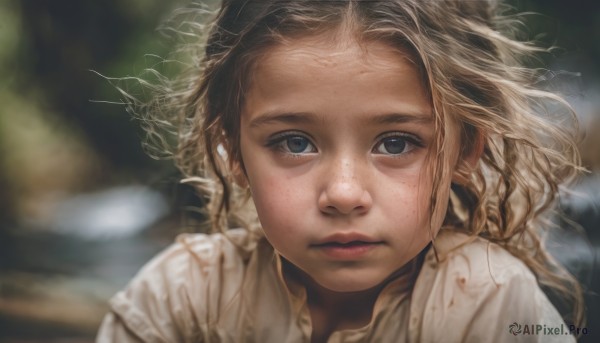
(82, 207)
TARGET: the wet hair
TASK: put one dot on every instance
(470, 57)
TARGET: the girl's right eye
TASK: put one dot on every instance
(292, 144)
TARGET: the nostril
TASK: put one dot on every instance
(330, 210)
(341, 210)
(343, 195)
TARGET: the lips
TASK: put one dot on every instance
(347, 246)
(344, 239)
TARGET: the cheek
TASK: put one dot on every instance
(407, 200)
(271, 199)
(278, 202)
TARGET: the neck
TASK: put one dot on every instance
(334, 302)
(332, 311)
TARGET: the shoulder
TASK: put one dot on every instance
(183, 287)
(193, 260)
(470, 269)
(476, 262)
(476, 283)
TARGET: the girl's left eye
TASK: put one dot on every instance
(396, 144)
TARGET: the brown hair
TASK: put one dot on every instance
(471, 63)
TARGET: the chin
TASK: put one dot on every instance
(350, 284)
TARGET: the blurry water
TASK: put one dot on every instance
(114, 213)
(56, 276)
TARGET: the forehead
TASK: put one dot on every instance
(327, 76)
(339, 54)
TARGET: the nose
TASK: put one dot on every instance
(344, 191)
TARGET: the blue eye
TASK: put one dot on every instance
(393, 145)
(396, 144)
(292, 144)
(296, 144)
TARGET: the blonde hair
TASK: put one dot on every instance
(471, 64)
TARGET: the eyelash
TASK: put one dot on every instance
(276, 142)
(412, 141)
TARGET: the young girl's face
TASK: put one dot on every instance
(334, 140)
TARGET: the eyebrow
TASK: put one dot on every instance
(400, 118)
(308, 118)
(286, 117)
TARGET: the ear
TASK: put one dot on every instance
(239, 172)
(233, 162)
(468, 160)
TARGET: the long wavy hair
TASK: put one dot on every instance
(470, 57)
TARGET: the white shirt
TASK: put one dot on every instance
(217, 288)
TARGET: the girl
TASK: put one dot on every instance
(385, 167)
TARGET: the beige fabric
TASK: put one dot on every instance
(205, 288)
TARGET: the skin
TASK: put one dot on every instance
(335, 140)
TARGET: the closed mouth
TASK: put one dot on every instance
(347, 251)
(347, 239)
(348, 244)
